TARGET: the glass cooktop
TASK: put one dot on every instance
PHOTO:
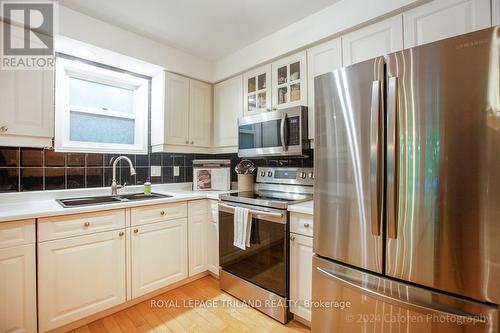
(275, 199)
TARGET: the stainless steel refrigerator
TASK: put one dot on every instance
(407, 191)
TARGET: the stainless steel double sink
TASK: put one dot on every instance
(101, 200)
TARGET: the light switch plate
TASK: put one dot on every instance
(176, 171)
(155, 171)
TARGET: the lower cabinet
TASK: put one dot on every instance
(301, 253)
(80, 276)
(213, 238)
(197, 234)
(158, 255)
(18, 289)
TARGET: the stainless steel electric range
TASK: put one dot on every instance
(259, 275)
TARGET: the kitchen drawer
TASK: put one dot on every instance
(16, 233)
(58, 227)
(197, 207)
(301, 224)
(157, 213)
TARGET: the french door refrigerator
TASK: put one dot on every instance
(407, 191)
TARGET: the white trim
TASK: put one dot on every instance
(66, 69)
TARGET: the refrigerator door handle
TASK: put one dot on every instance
(392, 157)
(427, 306)
(376, 157)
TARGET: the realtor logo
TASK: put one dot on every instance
(28, 34)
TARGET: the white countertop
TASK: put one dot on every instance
(306, 207)
(29, 205)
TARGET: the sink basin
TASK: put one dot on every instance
(101, 200)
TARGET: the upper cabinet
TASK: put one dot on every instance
(257, 90)
(372, 41)
(228, 107)
(446, 18)
(27, 117)
(321, 59)
(289, 81)
(181, 113)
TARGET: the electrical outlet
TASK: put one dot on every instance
(155, 171)
(176, 171)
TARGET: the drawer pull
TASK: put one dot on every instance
(121, 234)
(306, 225)
(162, 213)
(86, 224)
(136, 231)
(292, 238)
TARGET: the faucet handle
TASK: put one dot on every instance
(121, 186)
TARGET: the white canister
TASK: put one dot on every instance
(245, 182)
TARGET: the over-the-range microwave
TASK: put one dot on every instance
(277, 133)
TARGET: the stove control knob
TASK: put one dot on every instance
(303, 175)
(311, 175)
(262, 173)
(269, 173)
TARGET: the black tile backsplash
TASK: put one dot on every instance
(30, 169)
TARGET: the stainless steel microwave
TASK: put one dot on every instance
(277, 133)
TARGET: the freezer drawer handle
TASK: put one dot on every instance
(427, 307)
(376, 158)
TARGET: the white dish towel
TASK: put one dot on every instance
(242, 227)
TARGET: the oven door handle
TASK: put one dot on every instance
(268, 216)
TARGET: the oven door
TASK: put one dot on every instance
(278, 133)
(265, 262)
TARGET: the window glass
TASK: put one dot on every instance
(87, 127)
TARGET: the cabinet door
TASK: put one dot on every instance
(289, 80)
(80, 276)
(300, 274)
(159, 255)
(372, 41)
(228, 107)
(257, 90)
(197, 233)
(321, 59)
(18, 289)
(442, 19)
(27, 96)
(213, 247)
(200, 114)
(176, 109)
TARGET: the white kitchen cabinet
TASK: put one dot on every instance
(301, 253)
(80, 276)
(437, 20)
(213, 238)
(197, 240)
(228, 107)
(27, 117)
(200, 114)
(18, 289)
(289, 81)
(158, 255)
(257, 90)
(321, 59)
(372, 41)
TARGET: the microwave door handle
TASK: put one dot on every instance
(282, 133)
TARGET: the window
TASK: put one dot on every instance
(100, 110)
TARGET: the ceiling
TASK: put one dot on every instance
(209, 29)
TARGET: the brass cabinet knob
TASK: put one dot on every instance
(162, 213)
(292, 238)
(306, 225)
(86, 224)
(121, 234)
(4, 129)
(187, 142)
(136, 231)
(192, 142)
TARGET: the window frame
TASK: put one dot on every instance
(67, 69)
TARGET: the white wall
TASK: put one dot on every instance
(101, 34)
(341, 16)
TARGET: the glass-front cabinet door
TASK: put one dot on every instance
(257, 90)
(289, 78)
